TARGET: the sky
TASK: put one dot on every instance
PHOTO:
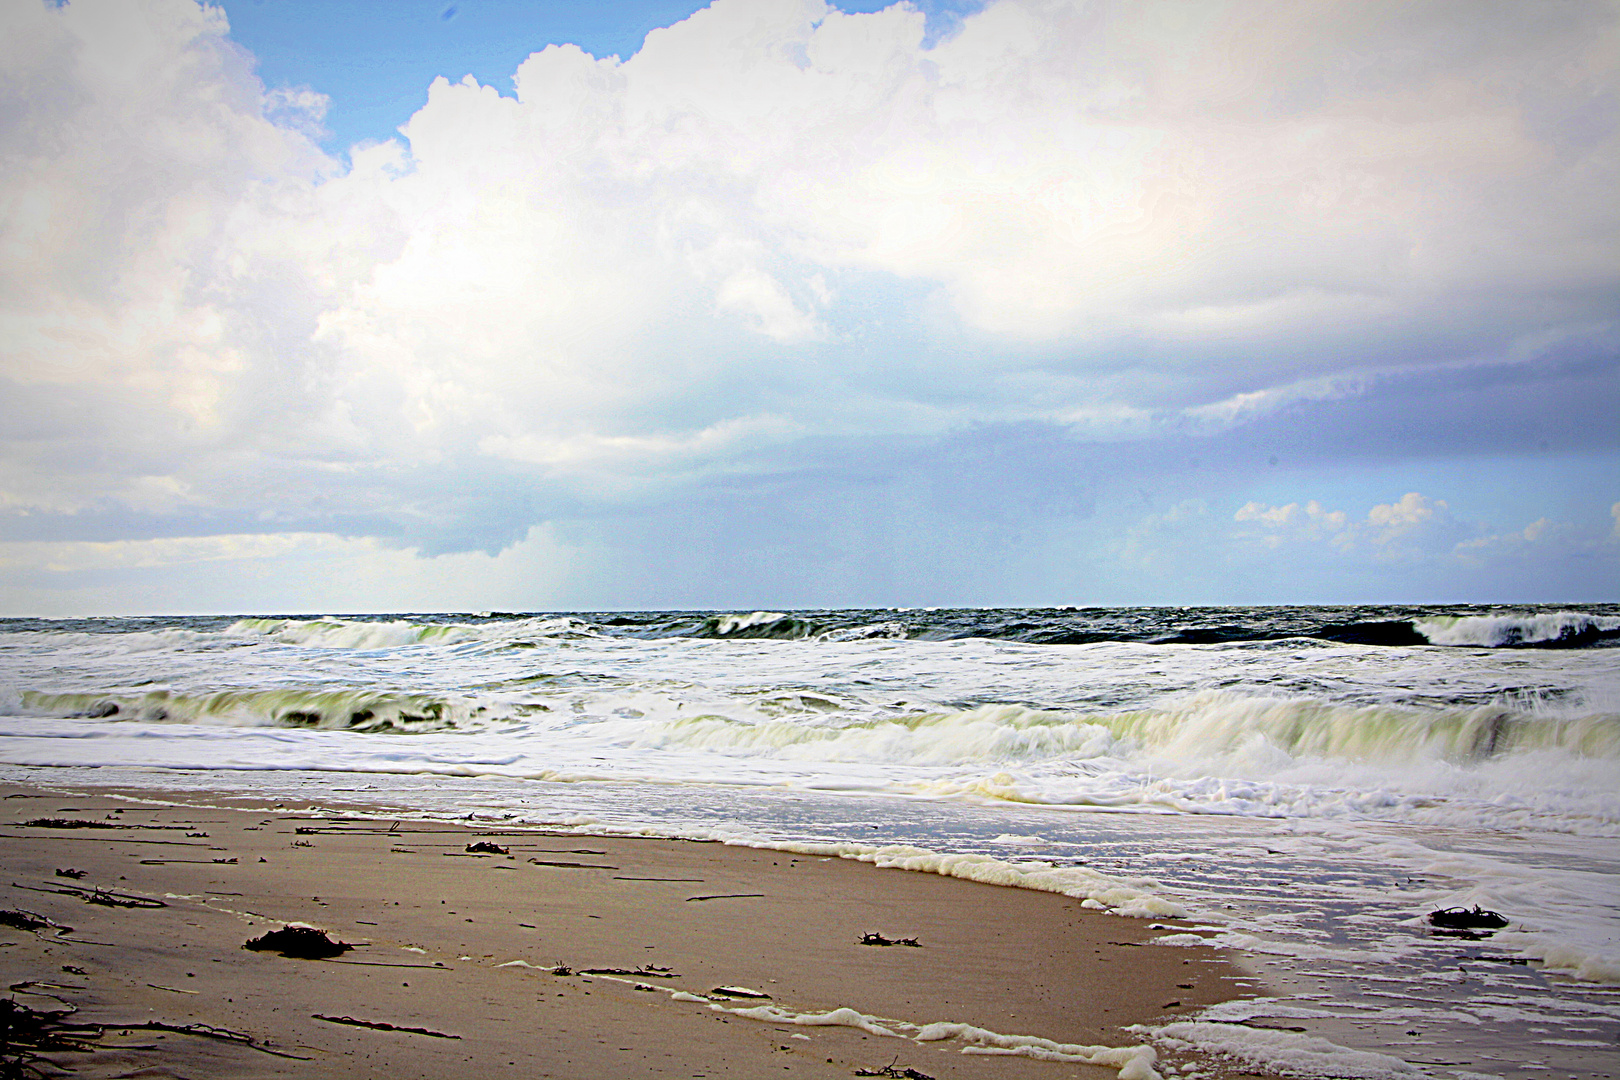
(325, 306)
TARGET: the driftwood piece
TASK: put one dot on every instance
(741, 992)
(103, 897)
(723, 896)
(382, 1025)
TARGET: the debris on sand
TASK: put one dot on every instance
(25, 1034)
(879, 939)
(1458, 918)
(299, 943)
(108, 898)
(484, 847)
(899, 1074)
(70, 872)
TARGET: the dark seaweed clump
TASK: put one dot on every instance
(24, 920)
(1458, 918)
(300, 943)
(71, 823)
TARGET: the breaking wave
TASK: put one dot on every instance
(1558, 629)
(325, 709)
(1205, 727)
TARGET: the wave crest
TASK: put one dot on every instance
(986, 733)
(1217, 723)
(759, 624)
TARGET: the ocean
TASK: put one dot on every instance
(1303, 784)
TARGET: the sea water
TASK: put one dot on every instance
(1303, 784)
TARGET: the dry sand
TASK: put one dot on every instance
(436, 930)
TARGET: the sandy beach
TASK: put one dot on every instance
(560, 956)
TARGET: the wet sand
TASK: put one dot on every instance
(568, 956)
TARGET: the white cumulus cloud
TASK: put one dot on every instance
(1273, 525)
(776, 222)
(1413, 526)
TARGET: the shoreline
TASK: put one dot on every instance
(1015, 982)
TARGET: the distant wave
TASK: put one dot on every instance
(1555, 630)
(1529, 628)
(1562, 629)
(779, 626)
(337, 633)
(759, 624)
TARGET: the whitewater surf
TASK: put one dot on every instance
(1305, 783)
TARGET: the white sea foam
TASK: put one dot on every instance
(1579, 960)
(861, 633)
(1138, 897)
(1282, 1052)
(1132, 1062)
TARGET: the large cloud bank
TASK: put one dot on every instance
(775, 231)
